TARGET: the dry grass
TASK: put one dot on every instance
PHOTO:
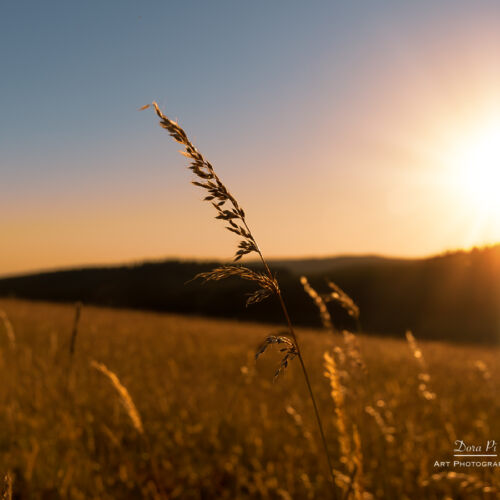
(123, 393)
(9, 329)
(7, 492)
(216, 426)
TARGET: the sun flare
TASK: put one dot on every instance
(471, 178)
(479, 168)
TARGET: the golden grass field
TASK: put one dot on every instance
(216, 425)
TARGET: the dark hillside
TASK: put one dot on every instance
(455, 296)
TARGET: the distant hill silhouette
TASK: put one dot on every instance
(454, 296)
(320, 265)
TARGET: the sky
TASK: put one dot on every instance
(339, 126)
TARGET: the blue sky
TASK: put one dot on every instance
(291, 100)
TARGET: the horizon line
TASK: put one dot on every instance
(152, 260)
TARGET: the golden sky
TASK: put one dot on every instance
(340, 130)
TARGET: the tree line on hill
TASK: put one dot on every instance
(455, 296)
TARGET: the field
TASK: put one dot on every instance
(214, 424)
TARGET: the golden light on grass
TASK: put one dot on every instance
(179, 369)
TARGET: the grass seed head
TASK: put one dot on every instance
(289, 350)
(338, 295)
(325, 316)
(125, 397)
(268, 286)
(9, 329)
(225, 204)
(7, 489)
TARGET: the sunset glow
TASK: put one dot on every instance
(341, 133)
(474, 166)
(480, 168)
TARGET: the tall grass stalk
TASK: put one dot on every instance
(351, 456)
(72, 347)
(229, 211)
(74, 331)
(125, 398)
(424, 380)
(9, 329)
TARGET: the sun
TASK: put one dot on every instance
(470, 179)
(477, 165)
